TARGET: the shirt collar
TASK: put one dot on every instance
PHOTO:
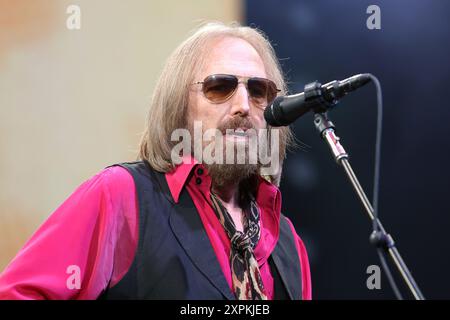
(176, 178)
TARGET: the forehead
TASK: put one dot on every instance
(232, 56)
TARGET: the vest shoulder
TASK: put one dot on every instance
(135, 167)
(131, 164)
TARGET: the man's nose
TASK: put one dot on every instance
(240, 101)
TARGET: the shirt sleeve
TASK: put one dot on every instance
(304, 264)
(87, 243)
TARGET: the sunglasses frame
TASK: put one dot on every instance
(240, 79)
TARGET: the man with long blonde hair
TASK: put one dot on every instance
(188, 220)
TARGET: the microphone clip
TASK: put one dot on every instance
(319, 99)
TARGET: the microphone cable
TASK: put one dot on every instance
(376, 184)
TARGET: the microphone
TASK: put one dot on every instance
(317, 97)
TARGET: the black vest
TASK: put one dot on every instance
(174, 258)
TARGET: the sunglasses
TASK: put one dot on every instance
(218, 88)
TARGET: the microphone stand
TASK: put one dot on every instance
(378, 238)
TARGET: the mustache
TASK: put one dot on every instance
(235, 123)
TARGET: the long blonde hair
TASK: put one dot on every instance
(168, 107)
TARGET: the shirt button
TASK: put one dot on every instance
(198, 181)
(200, 171)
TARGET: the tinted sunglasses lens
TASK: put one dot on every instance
(263, 91)
(218, 88)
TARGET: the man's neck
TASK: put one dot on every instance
(229, 194)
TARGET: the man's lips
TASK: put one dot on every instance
(239, 129)
(240, 132)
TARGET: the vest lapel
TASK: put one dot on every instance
(286, 261)
(190, 232)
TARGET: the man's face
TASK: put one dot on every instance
(231, 56)
(228, 56)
